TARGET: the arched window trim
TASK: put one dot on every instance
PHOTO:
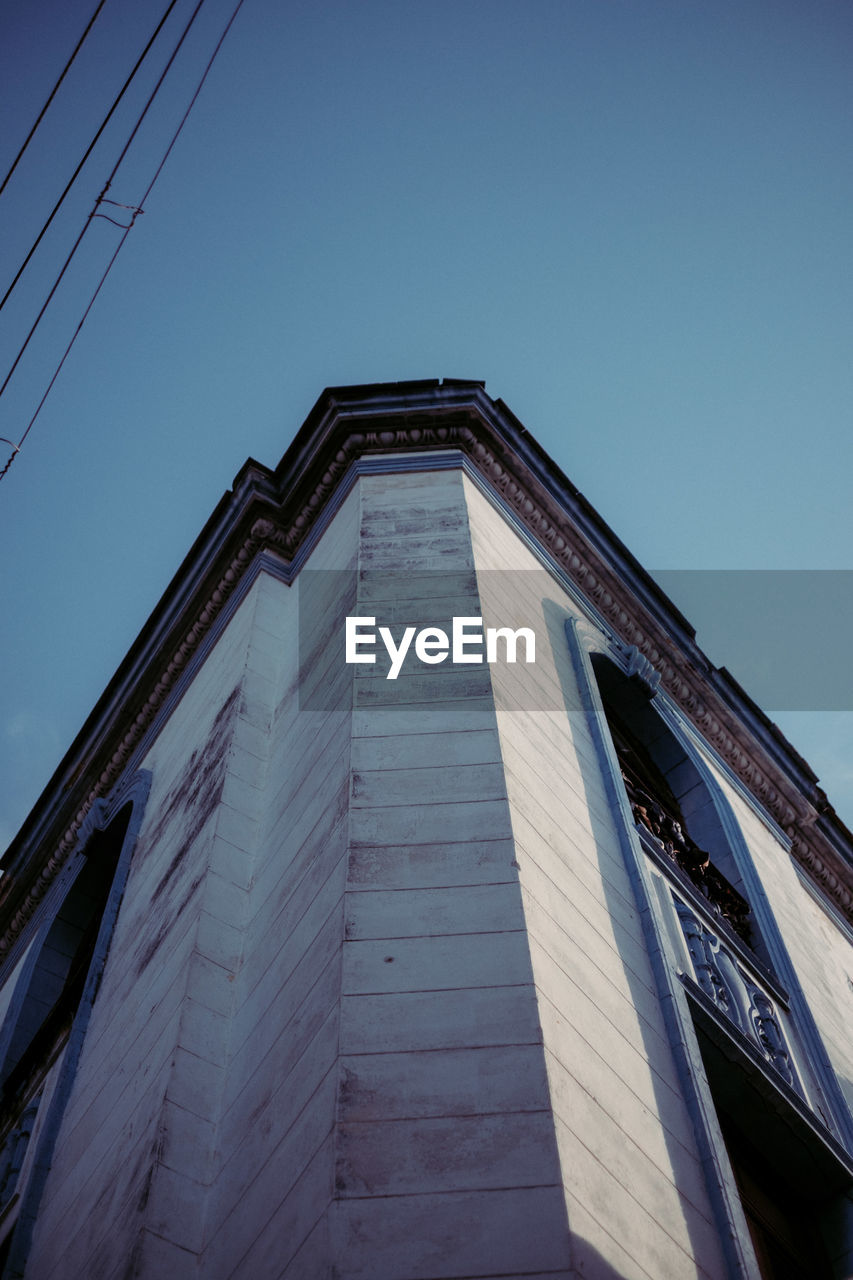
(630, 663)
(833, 1105)
(132, 792)
(655, 908)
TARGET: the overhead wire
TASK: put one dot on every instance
(88, 152)
(136, 211)
(105, 188)
(51, 96)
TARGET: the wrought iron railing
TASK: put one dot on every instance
(711, 926)
(670, 837)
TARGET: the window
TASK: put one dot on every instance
(44, 1010)
(772, 1128)
(42, 1034)
(670, 802)
(790, 1185)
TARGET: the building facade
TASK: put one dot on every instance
(438, 966)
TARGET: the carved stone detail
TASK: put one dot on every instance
(768, 1033)
(702, 946)
(641, 669)
(736, 993)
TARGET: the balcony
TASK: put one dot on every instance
(665, 837)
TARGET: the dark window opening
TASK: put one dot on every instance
(58, 977)
(669, 801)
(790, 1180)
(782, 1227)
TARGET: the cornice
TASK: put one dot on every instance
(686, 675)
(277, 511)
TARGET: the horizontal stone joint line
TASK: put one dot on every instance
(374, 806)
(193, 1253)
(674, 1136)
(294, 1184)
(331, 1010)
(427, 888)
(496, 986)
(443, 1049)
(460, 1191)
(669, 1132)
(457, 933)
(446, 1115)
(421, 768)
(613, 949)
(629, 1005)
(570, 1191)
(236, 1269)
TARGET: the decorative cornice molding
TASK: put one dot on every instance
(684, 680)
(277, 512)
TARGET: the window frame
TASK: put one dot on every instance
(33, 1173)
(679, 1003)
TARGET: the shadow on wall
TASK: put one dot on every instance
(590, 1265)
(630, 951)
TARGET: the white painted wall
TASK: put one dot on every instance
(635, 1191)
(378, 1003)
(137, 1137)
(446, 1158)
(819, 948)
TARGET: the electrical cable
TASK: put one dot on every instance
(136, 211)
(53, 93)
(87, 152)
(94, 212)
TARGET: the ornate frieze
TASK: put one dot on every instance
(737, 993)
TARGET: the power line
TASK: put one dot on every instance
(53, 93)
(94, 212)
(87, 152)
(135, 213)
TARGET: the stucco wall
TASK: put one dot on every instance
(446, 1158)
(378, 1003)
(819, 948)
(274, 1178)
(635, 1191)
(137, 1135)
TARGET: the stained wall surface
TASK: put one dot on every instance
(379, 1003)
(316, 1049)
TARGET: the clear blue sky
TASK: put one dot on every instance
(632, 218)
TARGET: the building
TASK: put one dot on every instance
(503, 968)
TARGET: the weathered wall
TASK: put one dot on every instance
(268, 1209)
(378, 1004)
(819, 948)
(137, 1136)
(635, 1191)
(446, 1160)
(317, 1049)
